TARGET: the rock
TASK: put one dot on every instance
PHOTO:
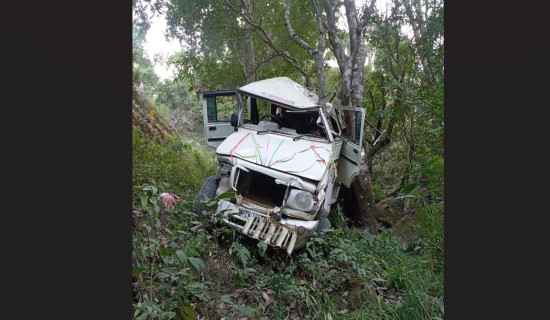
(389, 211)
(358, 291)
(405, 230)
(372, 297)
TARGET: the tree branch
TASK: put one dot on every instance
(367, 15)
(262, 35)
(333, 34)
(293, 34)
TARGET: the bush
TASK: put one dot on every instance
(178, 166)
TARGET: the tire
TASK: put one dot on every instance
(207, 191)
(324, 223)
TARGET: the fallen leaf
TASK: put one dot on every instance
(266, 298)
(342, 311)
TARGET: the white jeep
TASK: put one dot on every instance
(282, 155)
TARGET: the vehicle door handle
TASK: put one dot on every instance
(356, 151)
(211, 128)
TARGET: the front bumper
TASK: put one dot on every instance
(288, 233)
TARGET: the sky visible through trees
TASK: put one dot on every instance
(156, 42)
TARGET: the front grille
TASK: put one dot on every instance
(270, 232)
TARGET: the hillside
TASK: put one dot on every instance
(188, 267)
(147, 120)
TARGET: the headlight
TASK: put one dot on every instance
(300, 200)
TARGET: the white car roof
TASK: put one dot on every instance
(282, 91)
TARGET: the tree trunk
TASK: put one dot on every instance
(352, 92)
(250, 59)
(251, 62)
(363, 200)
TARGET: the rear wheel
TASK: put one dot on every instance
(207, 191)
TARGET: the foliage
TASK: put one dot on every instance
(348, 274)
(178, 164)
(218, 37)
(143, 69)
(187, 267)
(144, 10)
(178, 100)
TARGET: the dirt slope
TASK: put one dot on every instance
(147, 120)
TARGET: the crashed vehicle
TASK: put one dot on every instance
(282, 156)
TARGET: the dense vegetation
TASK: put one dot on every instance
(187, 267)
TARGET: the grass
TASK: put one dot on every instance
(175, 165)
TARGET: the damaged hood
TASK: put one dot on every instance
(283, 91)
(305, 158)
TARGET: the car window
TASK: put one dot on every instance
(219, 109)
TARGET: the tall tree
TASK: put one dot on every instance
(350, 56)
(353, 86)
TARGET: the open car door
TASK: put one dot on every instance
(217, 107)
(350, 160)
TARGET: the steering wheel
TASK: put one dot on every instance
(273, 117)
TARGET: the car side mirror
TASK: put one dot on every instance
(235, 120)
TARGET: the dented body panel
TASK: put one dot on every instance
(304, 158)
(283, 162)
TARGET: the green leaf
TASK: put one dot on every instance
(181, 255)
(144, 198)
(143, 316)
(162, 275)
(432, 161)
(136, 271)
(410, 187)
(196, 263)
(153, 305)
(186, 312)
(262, 247)
(170, 271)
(433, 185)
(250, 270)
(225, 195)
(227, 299)
(247, 311)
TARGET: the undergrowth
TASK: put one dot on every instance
(176, 165)
(189, 267)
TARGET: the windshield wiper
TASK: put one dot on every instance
(307, 135)
(268, 131)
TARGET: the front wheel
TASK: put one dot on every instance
(324, 223)
(207, 191)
